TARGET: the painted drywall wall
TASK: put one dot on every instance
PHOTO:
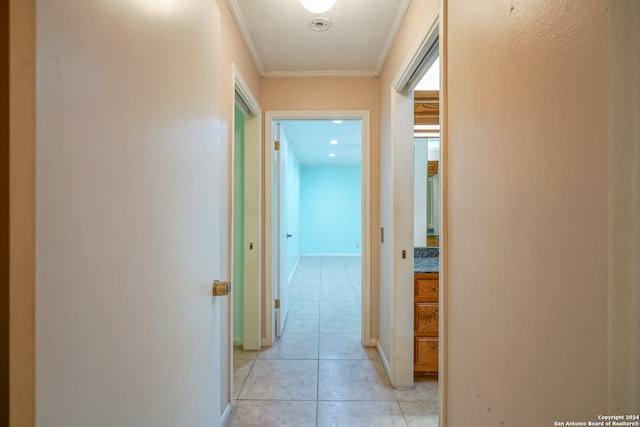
(133, 211)
(238, 227)
(423, 154)
(335, 93)
(22, 60)
(5, 257)
(433, 153)
(624, 207)
(331, 209)
(527, 255)
(420, 192)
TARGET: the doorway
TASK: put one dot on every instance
(433, 225)
(318, 211)
(288, 237)
(246, 229)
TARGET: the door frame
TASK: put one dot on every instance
(253, 204)
(270, 118)
(253, 208)
(402, 101)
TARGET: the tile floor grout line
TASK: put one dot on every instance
(331, 270)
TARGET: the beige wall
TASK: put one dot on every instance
(528, 188)
(4, 214)
(22, 212)
(335, 93)
(624, 207)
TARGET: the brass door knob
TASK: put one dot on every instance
(221, 288)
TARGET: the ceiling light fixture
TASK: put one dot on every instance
(337, 122)
(332, 154)
(333, 141)
(318, 6)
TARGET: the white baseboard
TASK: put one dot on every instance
(295, 267)
(332, 255)
(226, 415)
(385, 362)
(371, 343)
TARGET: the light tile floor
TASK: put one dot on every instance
(318, 374)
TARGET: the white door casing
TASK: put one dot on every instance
(271, 117)
(400, 366)
(253, 213)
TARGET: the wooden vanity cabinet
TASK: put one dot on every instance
(426, 297)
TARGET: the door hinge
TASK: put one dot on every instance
(277, 145)
(277, 303)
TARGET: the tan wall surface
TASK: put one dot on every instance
(527, 125)
(624, 208)
(22, 213)
(4, 213)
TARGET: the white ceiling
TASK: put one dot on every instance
(311, 141)
(281, 43)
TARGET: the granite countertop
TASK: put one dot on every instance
(426, 259)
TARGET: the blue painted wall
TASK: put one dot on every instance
(331, 209)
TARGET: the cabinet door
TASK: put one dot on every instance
(426, 320)
(426, 357)
(426, 288)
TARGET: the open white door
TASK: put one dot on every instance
(281, 280)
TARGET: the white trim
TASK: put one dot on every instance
(371, 343)
(331, 255)
(393, 33)
(226, 415)
(443, 311)
(383, 359)
(242, 88)
(425, 41)
(320, 73)
(246, 35)
(253, 137)
(293, 270)
(365, 117)
(401, 352)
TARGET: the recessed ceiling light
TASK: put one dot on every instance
(332, 154)
(337, 122)
(318, 6)
(333, 142)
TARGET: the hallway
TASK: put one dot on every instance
(318, 373)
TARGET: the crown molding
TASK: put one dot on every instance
(393, 33)
(236, 12)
